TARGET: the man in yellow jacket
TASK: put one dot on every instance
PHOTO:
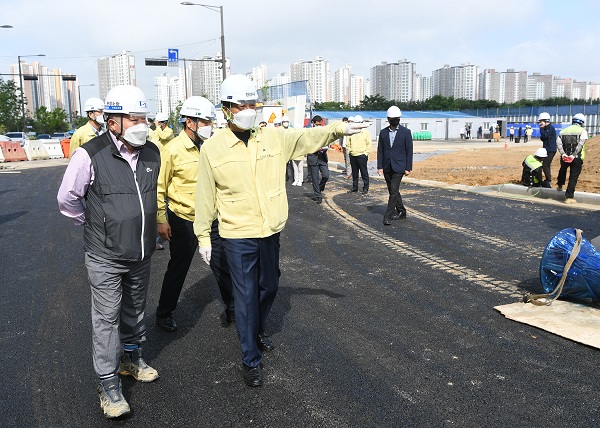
(241, 177)
(94, 108)
(162, 134)
(359, 148)
(177, 189)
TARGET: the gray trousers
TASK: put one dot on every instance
(118, 303)
(347, 161)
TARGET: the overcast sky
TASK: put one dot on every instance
(550, 37)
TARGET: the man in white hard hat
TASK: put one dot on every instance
(571, 146)
(176, 211)
(163, 133)
(394, 161)
(109, 187)
(93, 107)
(241, 177)
(532, 169)
(548, 137)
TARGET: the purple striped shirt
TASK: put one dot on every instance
(79, 175)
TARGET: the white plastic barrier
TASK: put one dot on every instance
(2, 159)
(34, 150)
(54, 149)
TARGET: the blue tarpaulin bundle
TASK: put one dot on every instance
(583, 276)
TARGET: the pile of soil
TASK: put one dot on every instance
(489, 166)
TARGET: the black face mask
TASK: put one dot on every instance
(394, 121)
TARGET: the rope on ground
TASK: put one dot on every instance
(536, 299)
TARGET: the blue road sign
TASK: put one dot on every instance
(173, 56)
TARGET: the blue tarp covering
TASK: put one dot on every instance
(382, 114)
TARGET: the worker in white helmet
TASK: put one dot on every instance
(394, 161)
(109, 188)
(176, 211)
(93, 108)
(532, 169)
(163, 133)
(548, 137)
(571, 146)
(241, 178)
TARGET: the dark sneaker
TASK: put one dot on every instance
(132, 364)
(166, 323)
(112, 402)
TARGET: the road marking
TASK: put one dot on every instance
(423, 257)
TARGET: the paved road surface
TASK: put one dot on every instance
(374, 326)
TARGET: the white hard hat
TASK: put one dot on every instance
(579, 118)
(238, 89)
(285, 118)
(126, 99)
(394, 111)
(544, 116)
(541, 153)
(351, 119)
(162, 117)
(199, 107)
(93, 104)
(357, 118)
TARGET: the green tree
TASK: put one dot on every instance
(79, 121)
(10, 106)
(376, 102)
(48, 122)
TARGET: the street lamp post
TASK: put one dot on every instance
(79, 95)
(22, 92)
(220, 10)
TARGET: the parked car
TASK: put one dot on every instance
(19, 137)
(43, 137)
(62, 135)
(4, 138)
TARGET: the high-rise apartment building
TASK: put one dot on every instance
(357, 90)
(316, 72)
(341, 85)
(259, 75)
(395, 81)
(460, 82)
(45, 87)
(204, 77)
(539, 86)
(114, 70)
(168, 92)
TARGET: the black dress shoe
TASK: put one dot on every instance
(365, 192)
(352, 191)
(265, 343)
(399, 215)
(166, 323)
(252, 375)
(319, 200)
(229, 316)
(386, 221)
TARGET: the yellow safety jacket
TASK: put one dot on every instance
(245, 185)
(571, 141)
(81, 136)
(359, 144)
(161, 137)
(177, 178)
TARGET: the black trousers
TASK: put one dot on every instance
(546, 162)
(393, 179)
(320, 176)
(183, 246)
(575, 170)
(359, 164)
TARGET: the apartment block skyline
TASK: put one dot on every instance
(114, 70)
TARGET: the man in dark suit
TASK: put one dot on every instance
(394, 160)
(318, 165)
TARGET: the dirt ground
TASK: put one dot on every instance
(481, 166)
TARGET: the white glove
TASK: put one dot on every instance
(355, 128)
(205, 254)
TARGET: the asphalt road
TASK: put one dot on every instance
(375, 326)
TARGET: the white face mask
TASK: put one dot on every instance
(136, 135)
(100, 119)
(245, 119)
(204, 132)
